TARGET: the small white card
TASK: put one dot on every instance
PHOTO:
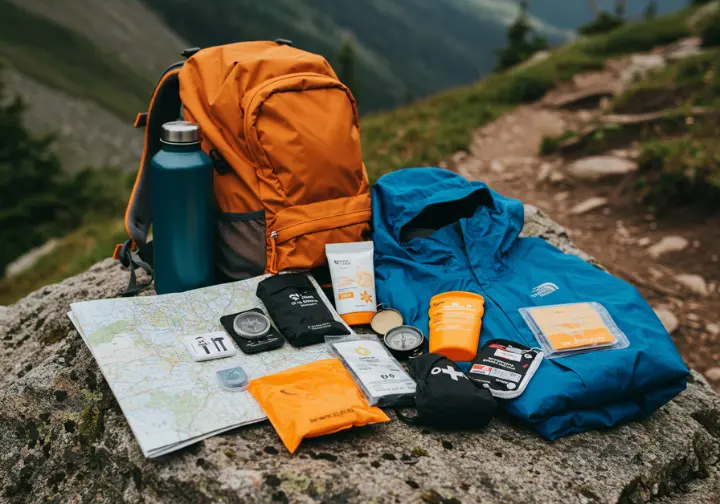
(215, 345)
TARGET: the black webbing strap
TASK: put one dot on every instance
(131, 259)
(410, 420)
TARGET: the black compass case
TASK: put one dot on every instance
(270, 341)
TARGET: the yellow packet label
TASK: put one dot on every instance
(572, 326)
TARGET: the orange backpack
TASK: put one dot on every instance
(284, 136)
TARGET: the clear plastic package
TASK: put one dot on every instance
(376, 372)
(573, 328)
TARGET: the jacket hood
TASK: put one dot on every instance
(418, 196)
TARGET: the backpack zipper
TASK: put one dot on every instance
(339, 222)
(272, 268)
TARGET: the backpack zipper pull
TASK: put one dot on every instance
(272, 267)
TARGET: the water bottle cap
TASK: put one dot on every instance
(181, 132)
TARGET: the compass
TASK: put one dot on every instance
(404, 341)
(252, 331)
(251, 325)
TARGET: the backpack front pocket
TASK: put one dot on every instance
(303, 133)
(297, 235)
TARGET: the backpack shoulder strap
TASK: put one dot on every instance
(165, 106)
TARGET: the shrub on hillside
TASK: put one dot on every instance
(603, 23)
(523, 42)
(681, 170)
(37, 199)
(710, 30)
(525, 86)
(643, 36)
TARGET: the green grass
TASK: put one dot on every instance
(62, 59)
(692, 82)
(684, 170)
(612, 136)
(75, 253)
(679, 158)
(430, 130)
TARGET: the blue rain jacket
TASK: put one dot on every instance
(476, 248)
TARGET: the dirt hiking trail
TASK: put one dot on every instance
(671, 255)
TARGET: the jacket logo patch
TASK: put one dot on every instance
(544, 289)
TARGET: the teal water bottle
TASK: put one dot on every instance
(183, 210)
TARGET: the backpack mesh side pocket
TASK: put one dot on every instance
(240, 245)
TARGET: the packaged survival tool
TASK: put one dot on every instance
(296, 306)
(573, 328)
(252, 331)
(505, 367)
(381, 378)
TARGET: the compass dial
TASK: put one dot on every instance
(251, 325)
(404, 339)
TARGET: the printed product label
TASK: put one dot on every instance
(508, 355)
(355, 288)
(303, 300)
(498, 373)
(353, 276)
(373, 366)
(504, 367)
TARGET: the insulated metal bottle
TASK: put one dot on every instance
(183, 210)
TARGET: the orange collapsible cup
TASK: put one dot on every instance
(455, 323)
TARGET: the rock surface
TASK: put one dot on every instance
(64, 438)
(695, 283)
(668, 319)
(588, 205)
(597, 168)
(668, 244)
(640, 65)
(713, 374)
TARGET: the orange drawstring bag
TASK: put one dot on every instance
(313, 400)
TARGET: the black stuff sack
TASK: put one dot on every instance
(445, 397)
(294, 304)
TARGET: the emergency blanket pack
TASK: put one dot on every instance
(435, 231)
(313, 400)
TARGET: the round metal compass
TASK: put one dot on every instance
(404, 341)
(251, 325)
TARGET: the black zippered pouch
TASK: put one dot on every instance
(294, 304)
(445, 397)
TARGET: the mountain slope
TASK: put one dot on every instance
(405, 49)
(125, 30)
(423, 133)
(64, 59)
(85, 68)
(573, 13)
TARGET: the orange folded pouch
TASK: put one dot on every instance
(313, 400)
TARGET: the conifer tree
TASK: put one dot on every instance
(523, 42)
(651, 10)
(346, 69)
